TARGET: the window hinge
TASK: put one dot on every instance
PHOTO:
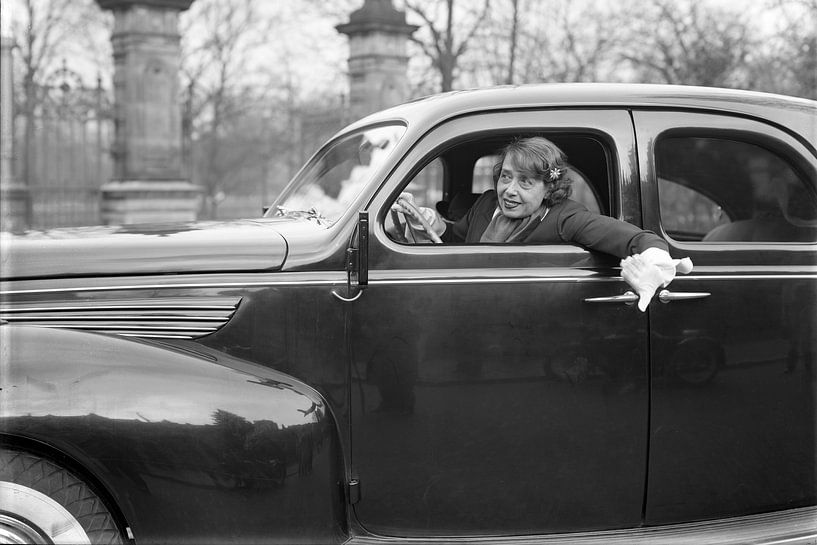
(354, 491)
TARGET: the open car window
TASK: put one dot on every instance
(451, 181)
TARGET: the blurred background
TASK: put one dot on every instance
(122, 111)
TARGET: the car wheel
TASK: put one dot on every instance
(42, 502)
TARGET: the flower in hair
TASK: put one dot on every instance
(554, 173)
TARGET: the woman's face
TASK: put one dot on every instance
(519, 196)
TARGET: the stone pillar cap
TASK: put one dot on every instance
(377, 15)
(179, 5)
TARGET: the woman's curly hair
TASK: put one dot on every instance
(538, 157)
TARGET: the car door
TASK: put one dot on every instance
(488, 396)
(732, 427)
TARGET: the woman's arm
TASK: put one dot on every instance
(646, 265)
(578, 225)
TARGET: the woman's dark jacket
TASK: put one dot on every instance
(567, 222)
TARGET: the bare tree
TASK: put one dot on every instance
(570, 42)
(337, 10)
(789, 63)
(513, 40)
(446, 38)
(546, 40)
(493, 53)
(689, 43)
(220, 38)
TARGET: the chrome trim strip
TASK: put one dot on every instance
(790, 527)
(159, 317)
(373, 278)
(156, 336)
(497, 280)
(115, 317)
(157, 308)
(121, 327)
(130, 287)
(164, 303)
(571, 279)
(744, 276)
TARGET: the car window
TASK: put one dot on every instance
(427, 186)
(728, 190)
(451, 182)
(687, 213)
(583, 191)
(484, 173)
(327, 186)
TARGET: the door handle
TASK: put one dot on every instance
(666, 296)
(628, 298)
(348, 299)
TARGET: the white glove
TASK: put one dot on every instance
(651, 269)
(430, 215)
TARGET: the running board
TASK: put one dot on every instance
(790, 527)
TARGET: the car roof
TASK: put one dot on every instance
(796, 114)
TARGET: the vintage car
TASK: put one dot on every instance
(308, 376)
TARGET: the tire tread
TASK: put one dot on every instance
(63, 487)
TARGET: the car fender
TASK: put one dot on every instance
(190, 444)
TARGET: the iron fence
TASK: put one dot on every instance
(63, 134)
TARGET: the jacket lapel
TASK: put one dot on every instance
(482, 218)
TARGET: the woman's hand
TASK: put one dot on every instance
(419, 218)
(651, 269)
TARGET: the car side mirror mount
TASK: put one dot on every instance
(357, 261)
(363, 249)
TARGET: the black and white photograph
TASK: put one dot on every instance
(422, 272)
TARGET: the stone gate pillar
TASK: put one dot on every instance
(147, 184)
(14, 195)
(377, 57)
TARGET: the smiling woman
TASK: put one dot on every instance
(522, 187)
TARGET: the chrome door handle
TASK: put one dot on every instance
(665, 296)
(348, 299)
(628, 298)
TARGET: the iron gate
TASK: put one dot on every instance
(64, 145)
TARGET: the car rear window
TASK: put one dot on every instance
(728, 190)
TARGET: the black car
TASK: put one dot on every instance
(308, 377)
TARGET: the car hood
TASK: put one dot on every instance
(201, 247)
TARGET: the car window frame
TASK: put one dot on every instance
(653, 125)
(611, 126)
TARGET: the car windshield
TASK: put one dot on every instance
(333, 179)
